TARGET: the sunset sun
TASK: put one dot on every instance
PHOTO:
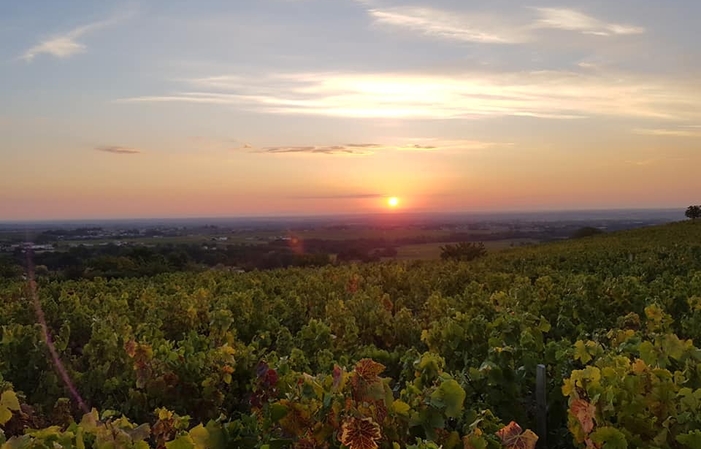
(393, 201)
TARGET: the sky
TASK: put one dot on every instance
(138, 109)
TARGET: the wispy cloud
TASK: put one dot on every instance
(334, 149)
(455, 145)
(117, 149)
(573, 20)
(351, 196)
(67, 44)
(656, 160)
(449, 25)
(363, 149)
(643, 162)
(489, 28)
(669, 132)
(543, 94)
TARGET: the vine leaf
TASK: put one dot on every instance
(581, 352)
(609, 437)
(584, 412)
(368, 370)
(513, 437)
(357, 433)
(8, 404)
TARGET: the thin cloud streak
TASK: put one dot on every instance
(540, 94)
(357, 196)
(668, 132)
(117, 149)
(66, 45)
(573, 20)
(335, 149)
(365, 149)
(449, 25)
(488, 28)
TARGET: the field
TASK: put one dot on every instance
(432, 251)
(261, 236)
(416, 354)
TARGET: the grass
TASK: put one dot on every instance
(432, 251)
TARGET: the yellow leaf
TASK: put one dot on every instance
(9, 400)
(164, 413)
(581, 353)
(89, 421)
(424, 335)
(401, 407)
(228, 350)
(5, 415)
(200, 436)
(567, 387)
(8, 404)
(592, 373)
(639, 366)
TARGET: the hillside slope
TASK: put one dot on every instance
(611, 318)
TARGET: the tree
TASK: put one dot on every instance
(693, 212)
(463, 251)
(586, 231)
(9, 268)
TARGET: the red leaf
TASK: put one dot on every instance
(359, 433)
(509, 432)
(584, 412)
(337, 376)
(368, 370)
(513, 437)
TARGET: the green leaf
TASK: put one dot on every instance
(278, 411)
(48, 432)
(430, 420)
(648, 353)
(200, 436)
(401, 408)
(183, 442)
(673, 347)
(308, 391)
(581, 353)
(79, 441)
(610, 438)
(691, 439)
(279, 444)
(450, 396)
(216, 435)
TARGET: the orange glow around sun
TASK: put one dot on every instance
(393, 202)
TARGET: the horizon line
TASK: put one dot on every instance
(332, 215)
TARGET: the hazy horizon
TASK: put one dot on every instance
(665, 214)
(158, 109)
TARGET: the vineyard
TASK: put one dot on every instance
(382, 355)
